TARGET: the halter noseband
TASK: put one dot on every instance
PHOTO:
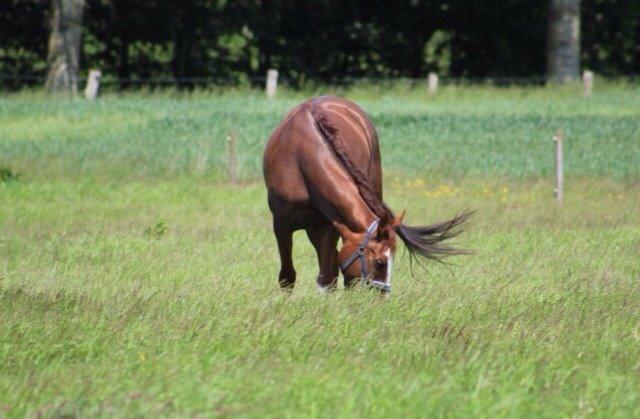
(359, 254)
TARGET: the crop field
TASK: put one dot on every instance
(135, 280)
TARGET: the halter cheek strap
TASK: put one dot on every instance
(360, 254)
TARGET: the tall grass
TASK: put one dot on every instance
(161, 299)
(460, 132)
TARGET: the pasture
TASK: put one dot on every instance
(134, 280)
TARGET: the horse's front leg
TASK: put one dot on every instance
(324, 240)
(284, 236)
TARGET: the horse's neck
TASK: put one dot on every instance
(335, 194)
(332, 188)
(342, 204)
(353, 225)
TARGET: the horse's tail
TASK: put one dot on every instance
(428, 241)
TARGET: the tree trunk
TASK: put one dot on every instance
(563, 41)
(64, 46)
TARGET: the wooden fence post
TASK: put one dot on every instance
(558, 138)
(272, 82)
(432, 83)
(93, 84)
(587, 82)
(233, 163)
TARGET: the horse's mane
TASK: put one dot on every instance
(329, 132)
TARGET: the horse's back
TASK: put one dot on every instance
(356, 135)
(355, 130)
(296, 142)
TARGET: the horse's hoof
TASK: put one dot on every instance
(287, 290)
(325, 289)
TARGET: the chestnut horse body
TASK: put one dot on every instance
(323, 174)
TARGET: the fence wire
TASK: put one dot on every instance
(8, 80)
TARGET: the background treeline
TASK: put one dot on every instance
(317, 40)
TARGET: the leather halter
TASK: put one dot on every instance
(359, 253)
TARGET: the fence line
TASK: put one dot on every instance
(107, 80)
(143, 80)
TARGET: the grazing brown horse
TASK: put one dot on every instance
(323, 174)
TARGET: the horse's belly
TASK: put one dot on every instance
(298, 213)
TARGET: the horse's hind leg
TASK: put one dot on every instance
(324, 240)
(287, 275)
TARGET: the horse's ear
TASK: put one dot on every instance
(398, 220)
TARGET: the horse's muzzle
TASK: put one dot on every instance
(382, 286)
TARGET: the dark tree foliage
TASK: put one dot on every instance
(498, 38)
(611, 36)
(24, 30)
(187, 41)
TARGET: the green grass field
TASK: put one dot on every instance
(135, 281)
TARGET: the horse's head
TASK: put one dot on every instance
(369, 255)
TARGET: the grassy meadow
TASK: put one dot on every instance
(134, 281)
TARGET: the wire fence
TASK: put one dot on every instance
(17, 81)
(163, 80)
